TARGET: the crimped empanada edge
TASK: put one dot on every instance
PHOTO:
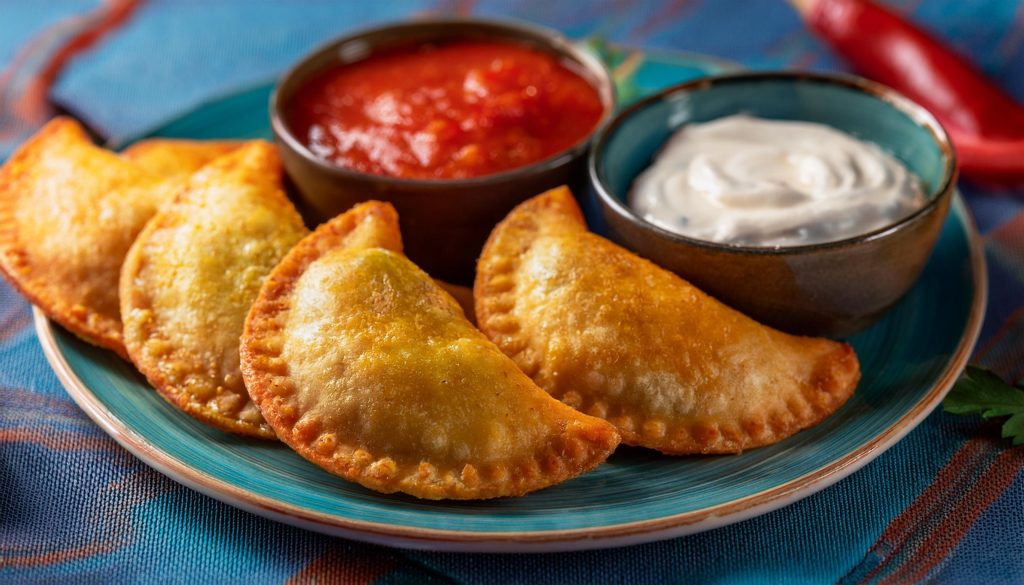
(23, 277)
(835, 379)
(133, 298)
(494, 302)
(140, 148)
(494, 285)
(266, 375)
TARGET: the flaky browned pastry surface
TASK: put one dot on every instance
(618, 337)
(365, 366)
(69, 211)
(191, 276)
(462, 295)
(177, 158)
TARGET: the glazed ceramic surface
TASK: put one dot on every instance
(832, 289)
(910, 359)
(445, 222)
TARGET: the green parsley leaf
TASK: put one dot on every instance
(979, 391)
(1014, 427)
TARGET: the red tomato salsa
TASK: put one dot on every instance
(445, 111)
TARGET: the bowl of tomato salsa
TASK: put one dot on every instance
(452, 121)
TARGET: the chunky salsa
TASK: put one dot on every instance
(445, 111)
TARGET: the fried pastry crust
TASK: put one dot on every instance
(368, 368)
(190, 277)
(462, 295)
(618, 337)
(175, 158)
(69, 211)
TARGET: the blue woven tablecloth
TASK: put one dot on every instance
(946, 504)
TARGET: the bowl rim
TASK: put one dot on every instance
(917, 113)
(597, 77)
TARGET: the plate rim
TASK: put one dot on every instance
(620, 534)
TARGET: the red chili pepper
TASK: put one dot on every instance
(986, 125)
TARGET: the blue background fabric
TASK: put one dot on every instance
(946, 504)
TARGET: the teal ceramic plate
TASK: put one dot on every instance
(910, 359)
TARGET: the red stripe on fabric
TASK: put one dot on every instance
(32, 103)
(794, 49)
(1012, 40)
(1008, 239)
(909, 7)
(670, 13)
(977, 474)
(958, 521)
(356, 568)
(14, 323)
(30, 48)
(804, 60)
(1001, 353)
(952, 480)
(456, 7)
(40, 44)
(924, 534)
(31, 107)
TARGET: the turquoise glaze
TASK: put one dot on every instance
(903, 358)
(832, 288)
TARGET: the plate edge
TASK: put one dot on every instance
(549, 541)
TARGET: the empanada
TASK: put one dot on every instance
(69, 210)
(462, 295)
(192, 274)
(175, 158)
(615, 336)
(366, 367)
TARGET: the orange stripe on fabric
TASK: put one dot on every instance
(23, 400)
(52, 440)
(61, 556)
(32, 105)
(108, 19)
(356, 568)
(30, 48)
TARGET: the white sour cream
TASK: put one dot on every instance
(746, 181)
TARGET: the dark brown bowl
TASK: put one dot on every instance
(444, 222)
(832, 289)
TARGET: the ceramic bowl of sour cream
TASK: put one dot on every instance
(811, 202)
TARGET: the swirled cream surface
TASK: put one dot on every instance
(748, 181)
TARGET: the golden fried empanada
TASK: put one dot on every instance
(174, 158)
(192, 274)
(615, 336)
(69, 210)
(368, 368)
(462, 295)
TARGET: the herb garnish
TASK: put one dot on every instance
(980, 391)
